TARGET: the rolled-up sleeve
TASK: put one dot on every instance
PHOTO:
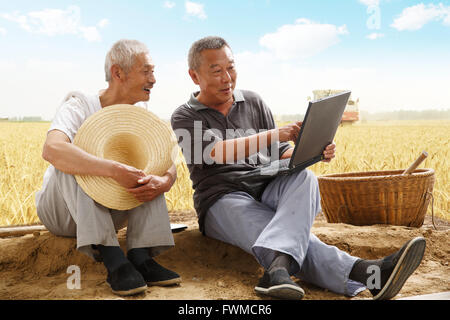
(69, 118)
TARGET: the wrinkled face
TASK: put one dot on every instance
(139, 81)
(216, 76)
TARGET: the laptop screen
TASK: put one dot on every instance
(318, 129)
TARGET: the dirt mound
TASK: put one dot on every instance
(35, 266)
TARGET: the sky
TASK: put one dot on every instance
(392, 54)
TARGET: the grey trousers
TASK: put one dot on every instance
(282, 222)
(66, 210)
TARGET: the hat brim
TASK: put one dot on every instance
(130, 135)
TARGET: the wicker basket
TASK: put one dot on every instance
(378, 197)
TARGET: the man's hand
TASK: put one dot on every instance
(329, 152)
(150, 187)
(289, 132)
(127, 176)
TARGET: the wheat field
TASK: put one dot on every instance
(360, 147)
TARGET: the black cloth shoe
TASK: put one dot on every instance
(278, 284)
(396, 268)
(126, 280)
(156, 275)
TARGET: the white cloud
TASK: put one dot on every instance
(447, 20)
(52, 22)
(15, 17)
(2, 31)
(91, 34)
(103, 23)
(374, 36)
(285, 85)
(302, 39)
(415, 17)
(169, 4)
(195, 9)
(370, 3)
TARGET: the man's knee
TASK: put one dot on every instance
(58, 226)
(312, 177)
(306, 182)
(156, 206)
(63, 177)
(52, 208)
(306, 176)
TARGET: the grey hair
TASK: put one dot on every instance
(123, 53)
(198, 46)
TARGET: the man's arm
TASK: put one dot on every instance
(288, 153)
(171, 176)
(241, 148)
(68, 158)
(246, 146)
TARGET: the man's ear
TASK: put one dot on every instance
(116, 72)
(194, 76)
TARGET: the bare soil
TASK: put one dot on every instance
(35, 266)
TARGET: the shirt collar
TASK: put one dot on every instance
(196, 105)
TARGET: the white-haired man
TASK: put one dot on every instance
(66, 210)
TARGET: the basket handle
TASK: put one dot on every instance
(416, 163)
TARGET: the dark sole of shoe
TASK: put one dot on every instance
(165, 283)
(130, 292)
(406, 265)
(282, 291)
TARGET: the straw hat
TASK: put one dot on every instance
(130, 135)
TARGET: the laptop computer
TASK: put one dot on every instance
(318, 129)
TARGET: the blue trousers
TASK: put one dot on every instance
(282, 222)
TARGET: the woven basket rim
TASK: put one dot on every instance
(376, 175)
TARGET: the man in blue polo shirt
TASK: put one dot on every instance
(226, 133)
